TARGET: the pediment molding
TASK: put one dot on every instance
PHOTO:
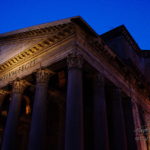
(38, 48)
(34, 34)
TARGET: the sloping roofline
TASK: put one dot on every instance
(121, 30)
(77, 19)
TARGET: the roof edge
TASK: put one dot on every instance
(39, 26)
(121, 30)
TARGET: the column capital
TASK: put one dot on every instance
(43, 75)
(19, 85)
(100, 80)
(3, 92)
(75, 60)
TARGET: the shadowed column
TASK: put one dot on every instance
(3, 93)
(140, 139)
(101, 140)
(129, 123)
(147, 128)
(119, 140)
(37, 138)
(12, 118)
(74, 116)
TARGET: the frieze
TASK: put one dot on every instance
(19, 70)
(31, 64)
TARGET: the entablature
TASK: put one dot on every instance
(57, 46)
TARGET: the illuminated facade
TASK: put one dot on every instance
(64, 87)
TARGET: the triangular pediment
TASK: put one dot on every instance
(27, 49)
(17, 44)
(16, 48)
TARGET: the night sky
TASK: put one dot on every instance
(101, 15)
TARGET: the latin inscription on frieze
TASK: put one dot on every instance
(16, 72)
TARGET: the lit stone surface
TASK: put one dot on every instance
(72, 111)
(11, 49)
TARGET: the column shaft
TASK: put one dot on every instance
(12, 118)
(147, 128)
(74, 116)
(101, 140)
(3, 93)
(140, 139)
(119, 141)
(129, 123)
(2, 97)
(61, 139)
(37, 139)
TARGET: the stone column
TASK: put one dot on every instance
(147, 128)
(140, 139)
(101, 140)
(2, 96)
(129, 123)
(37, 138)
(74, 109)
(12, 118)
(61, 130)
(119, 141)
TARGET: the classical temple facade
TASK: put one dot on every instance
(64, 87)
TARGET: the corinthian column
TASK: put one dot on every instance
(74, 115)
(38, 125)
(101, 140)
(2, 96)
(12, 118)
(147, 128)
(119, 139)
(129, 123)
(140, 138)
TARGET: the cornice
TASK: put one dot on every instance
(38, 48)
(130, 76)
(130, 40)
(33, 34)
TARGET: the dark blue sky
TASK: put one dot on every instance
(101, 15)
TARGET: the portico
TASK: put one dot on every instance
(46, 84)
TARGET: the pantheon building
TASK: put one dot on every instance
(65, 87)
